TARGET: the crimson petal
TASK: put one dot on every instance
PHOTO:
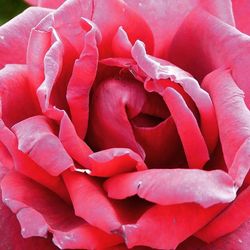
(41, 211)
(114, 161)
(90, 201)
(229, 220)
(171, 224)
(174, 186)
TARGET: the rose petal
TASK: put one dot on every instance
(187, 125)
(49, 213)
(174, 186)
(14, 35)
(215, 44)
(160, 69)
(125, 100)
(96, 209)
(229, 220)
(242, 19)
(36, 138)
(121, 45)
(234, 122)
(17, 100)
(26, 166)
(46, 3)
(81, 81)
(161, 12)
(114, 161)
(12, 239)
(53, 65)
(171, 224)
(237, 240)
(166, 147)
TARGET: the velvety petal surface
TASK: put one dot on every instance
(23, 164)
(241, 15)
(40, 211)
(46, 3)
(14, 35)
(234, 122)
(162, 12)
(36, 137)
(17, 99)
(215, 44)
(82, 79)
(174, 186)
(96, 208)
(236, 214)
(114, 161)
(171, 224)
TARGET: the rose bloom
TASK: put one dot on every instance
(126, 124)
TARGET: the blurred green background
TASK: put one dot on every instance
(10, 8)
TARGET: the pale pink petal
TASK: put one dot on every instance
(17, 99)
(174, 186)
(14, 35)
(121, 45)
(241, 15)
(166, 16)
(46, 3)
(214, 44)
(41, 211)
(234, 122)
(36, 137)
(164, 227)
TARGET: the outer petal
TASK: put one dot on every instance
(12, 239)
(171, 224)
(161, 12)
(36, 138)
(215, 44)
(229, 220)
(14, 35)
(40, 211)
(234, 122)
(17, 100)
(46, 3)
(241, 15)
(174, 186)
(23, 164)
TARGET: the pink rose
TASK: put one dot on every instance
(126, 124)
